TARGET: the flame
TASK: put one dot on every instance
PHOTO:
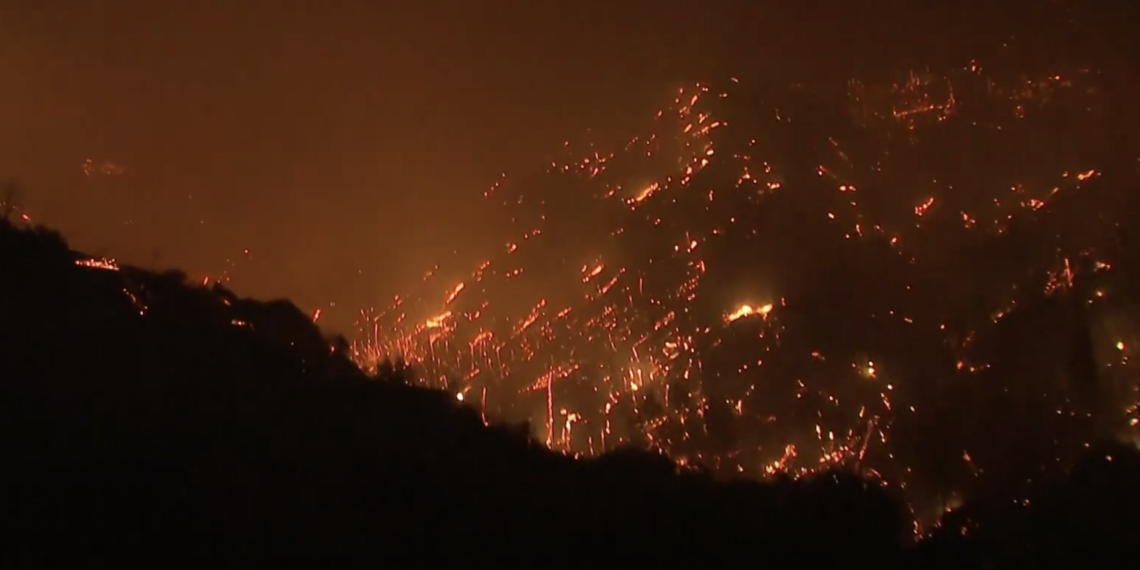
(748, 311)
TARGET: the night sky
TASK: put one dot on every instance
(346, 144)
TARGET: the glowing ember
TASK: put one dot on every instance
(748, 311)
(104, 264)
(93, 168)
(438, 321)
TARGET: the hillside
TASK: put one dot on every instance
(146, 416)
(928, 277)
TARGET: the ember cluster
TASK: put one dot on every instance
(929, 280)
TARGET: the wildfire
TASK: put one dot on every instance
(634, 345)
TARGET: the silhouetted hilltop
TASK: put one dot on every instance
(145, 417)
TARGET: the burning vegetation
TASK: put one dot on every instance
(919, 280)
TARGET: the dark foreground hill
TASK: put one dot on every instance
(143, 417)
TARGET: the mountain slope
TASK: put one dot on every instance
(148, 417)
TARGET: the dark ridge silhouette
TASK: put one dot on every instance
(148, 417)
(145, 418)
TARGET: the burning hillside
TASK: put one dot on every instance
(918, 279)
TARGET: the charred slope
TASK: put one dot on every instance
(144, 416)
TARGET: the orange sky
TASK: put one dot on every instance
(346, 144)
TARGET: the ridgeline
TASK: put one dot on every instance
(148, 418)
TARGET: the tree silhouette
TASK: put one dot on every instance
(10, 197)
